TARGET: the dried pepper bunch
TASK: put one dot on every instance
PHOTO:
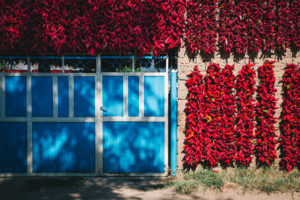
(265, 107)
(245, 115)
(289, 142)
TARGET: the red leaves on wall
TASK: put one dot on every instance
(200, 36)
(290, 119)
(265, 135)
(245, 114)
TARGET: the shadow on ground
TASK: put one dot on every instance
(84, 188)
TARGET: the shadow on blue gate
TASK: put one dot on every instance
(63, 147)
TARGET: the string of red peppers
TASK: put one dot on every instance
(228, 110)
(195, 141)
(284, 26)
(211, 135)
(253, 20)
(32, 26)
(295, 29)
(245, 115)
(200, 35)
(290, 119)
(210, 117)
(168, 31)
(268, 34)
(265, 106)
(233, 27)
(215, 130)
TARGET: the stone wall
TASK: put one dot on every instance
(186, 65)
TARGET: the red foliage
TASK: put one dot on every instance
(265, 107)
(200, 36)
(290, 119)
(245, 114)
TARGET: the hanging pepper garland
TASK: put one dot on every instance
(265, 107)
(290, 119)
(268, 34)
(295, 30)
(215, 129)
(253, 20)
(232, 27)
(200, 35)
(228, 110)
(168, 31)
(120, 26)
(245, 115)
(284, 26)
(210, 117)
(195, 142)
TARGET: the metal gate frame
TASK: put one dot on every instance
(98, 119)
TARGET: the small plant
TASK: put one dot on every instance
(128, 69)
(265, 179)
(201, 177)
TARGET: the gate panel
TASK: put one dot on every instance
(63, 96)
(42, 96)
(135, 142)
(154, 98)
(112, 95)
(15, 96)
(133, 96)
(63, 147)
(84, 96)
(13, 147)
(133, 147)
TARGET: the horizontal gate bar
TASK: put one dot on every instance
(83, 57)
(134, 119)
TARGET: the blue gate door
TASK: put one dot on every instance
(83, 123)
(134, 115)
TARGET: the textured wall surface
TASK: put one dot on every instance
(186, 65)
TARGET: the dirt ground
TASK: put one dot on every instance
(87, 188)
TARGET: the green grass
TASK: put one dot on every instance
(264, 179)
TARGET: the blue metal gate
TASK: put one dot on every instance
(83, 123)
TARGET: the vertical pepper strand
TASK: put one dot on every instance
(245, 115)
(265, 107)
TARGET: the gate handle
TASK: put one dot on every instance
(102, 109)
